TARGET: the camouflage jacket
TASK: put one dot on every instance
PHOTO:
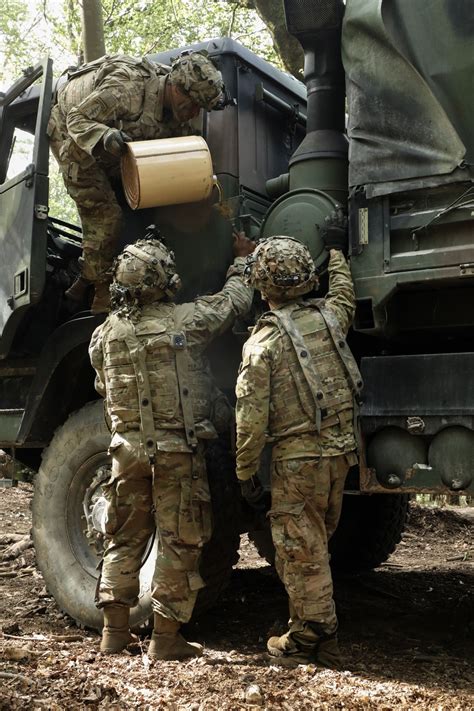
(116, 378)
(113, 92)
(274, 401)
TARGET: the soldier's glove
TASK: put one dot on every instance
(114, 142)
(243, 246)
(334, 231)
(254, 493)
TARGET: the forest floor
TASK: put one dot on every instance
(406, 634)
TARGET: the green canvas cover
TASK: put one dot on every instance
(410, 88)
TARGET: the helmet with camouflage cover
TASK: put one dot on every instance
(145, 271)
(198, 78)
(281, 268)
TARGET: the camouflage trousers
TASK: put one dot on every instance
(306, 506)
(175, 499)
(87, 181)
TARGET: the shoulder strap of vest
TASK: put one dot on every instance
(126, 330)
(154, 91)
(104, 65)
(348, 360)
(264, 320)
(73, 72)
(313, 380)
(183, 313)
(180, 345)
(155, 67)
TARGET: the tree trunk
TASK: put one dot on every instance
(92, 30)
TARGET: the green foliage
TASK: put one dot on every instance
(60, 204)
(14, 21)
(147, 26)
(31, 30)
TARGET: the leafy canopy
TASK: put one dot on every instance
(28, 31)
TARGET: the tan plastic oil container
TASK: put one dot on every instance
(167, 171)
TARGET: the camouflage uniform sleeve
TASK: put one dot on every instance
(253, 401)
(214, 314)
(340, 298)
(111, 100)
(96, 356)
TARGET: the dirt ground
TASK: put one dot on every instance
(406, 632)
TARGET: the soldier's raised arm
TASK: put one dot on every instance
(215, 313)
(340, 298)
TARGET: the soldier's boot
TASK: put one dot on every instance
(328, 654)
(101, 301)
(116, 633)
(306, 644)
(288, 652)
(167, 644)
(77, 292)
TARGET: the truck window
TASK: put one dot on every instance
(21, 153)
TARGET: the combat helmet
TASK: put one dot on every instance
(281, 268)
(196, 76)
(145, 271)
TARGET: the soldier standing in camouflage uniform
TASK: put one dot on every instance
(150, 367)
(103, 105)
(295, 390)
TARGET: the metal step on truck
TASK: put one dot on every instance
(284, 154)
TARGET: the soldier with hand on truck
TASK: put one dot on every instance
(295, 389)
(151, 368)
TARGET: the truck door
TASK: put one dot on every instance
(24, 154)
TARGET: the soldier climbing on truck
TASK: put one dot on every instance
(103, 105)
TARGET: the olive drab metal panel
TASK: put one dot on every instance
(23, 197)
(420, 124)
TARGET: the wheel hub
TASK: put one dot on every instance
(95, 509)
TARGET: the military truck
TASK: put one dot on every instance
(280, 152)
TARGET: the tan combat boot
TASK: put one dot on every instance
(328, 654)
(101, 302)
(116, 633)
(77, 292)
(166, 642)
(290, 653)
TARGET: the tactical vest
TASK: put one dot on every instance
(148, 122)
(316, 378)
(151, 380)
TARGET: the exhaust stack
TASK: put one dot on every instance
(317, 174)
(321, 160)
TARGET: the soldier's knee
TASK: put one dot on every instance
(105, 209)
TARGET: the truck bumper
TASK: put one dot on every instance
(417, 422)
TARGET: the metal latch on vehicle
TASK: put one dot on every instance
(41, 212)
(467, 269)
(415, 425)
(20, 283)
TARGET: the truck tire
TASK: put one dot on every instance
(222, 552)
(370, 528)
(74, 464)
(368, 532)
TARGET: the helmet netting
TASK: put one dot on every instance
(281, 267)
